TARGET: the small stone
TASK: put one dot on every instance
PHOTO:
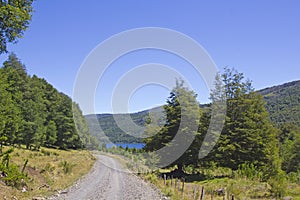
(38, 198)
(24, 189)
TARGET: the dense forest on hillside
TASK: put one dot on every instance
(33, 113)
(283, 102)
(110, 128)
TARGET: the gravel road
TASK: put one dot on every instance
(110, 183)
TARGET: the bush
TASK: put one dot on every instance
(294, 177)
(278, 184)
(13, 177)
(66, 167)
(152, 178)
(249, 171)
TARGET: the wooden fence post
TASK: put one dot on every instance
(202, 193)
(165, 177)
(182, 189)
(194, 192)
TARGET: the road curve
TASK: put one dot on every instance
(108, 181)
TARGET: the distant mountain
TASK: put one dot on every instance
(282, 102)
(110, 131)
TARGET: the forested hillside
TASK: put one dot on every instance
(33, 113)
(111, 129)
(283, 102)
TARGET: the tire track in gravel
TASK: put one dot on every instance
(109, 181)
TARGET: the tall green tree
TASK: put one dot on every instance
(34, 113)
(15, 16)
(14, 84)
(248, 135)
(182, 119)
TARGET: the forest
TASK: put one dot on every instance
(35, 114)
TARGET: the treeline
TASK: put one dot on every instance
(33, 113)
(248, 138)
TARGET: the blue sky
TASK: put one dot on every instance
(259, 38)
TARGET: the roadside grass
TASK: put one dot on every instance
(242, 188)
(244, 183)
(48, 171)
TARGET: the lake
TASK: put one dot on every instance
(124, 145)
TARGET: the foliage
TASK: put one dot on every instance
(182, 118)
(249, 171)
(35, 114)
(66, 166)
(289, 138)
(283, 102)
(15, 16)
(248, 135)
(278, 184)
(12, 175)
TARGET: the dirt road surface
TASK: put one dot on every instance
(108, 180)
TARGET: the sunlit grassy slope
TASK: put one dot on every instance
(49, 171)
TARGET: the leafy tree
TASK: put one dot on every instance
(67, 136)
(10, 108)
(15, 16)
(34, 113)
(182, 119)
(248, 135)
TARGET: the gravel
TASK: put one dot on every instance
(109, 180)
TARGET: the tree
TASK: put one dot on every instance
(15, 16)
(182, 119)
(34, 113)
(248, 135)
(10, 98)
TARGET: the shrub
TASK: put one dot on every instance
(152, 178)
(249, 171)
(66, 167)
(278, 184)
(13, 176)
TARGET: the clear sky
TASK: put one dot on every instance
(259, 38)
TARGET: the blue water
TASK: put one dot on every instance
(129, 145)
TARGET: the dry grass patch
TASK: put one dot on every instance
(49, 170)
